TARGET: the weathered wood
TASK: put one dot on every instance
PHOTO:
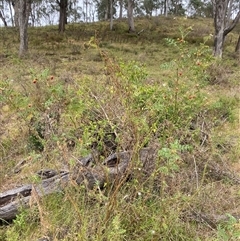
(113, 168)
(12, 200)
(116, 167)
(8, 196)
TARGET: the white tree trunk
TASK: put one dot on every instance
(24, 11)
(130, 16)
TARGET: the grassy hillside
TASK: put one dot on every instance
(96, 91)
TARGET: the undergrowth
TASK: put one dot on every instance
(62, 117)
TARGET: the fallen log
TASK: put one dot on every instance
(115, 167)
(12, 200)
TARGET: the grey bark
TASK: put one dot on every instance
(222, 27)
(24, 11)
(130, 16)
(15, 4)
(63, 4)
(111, 14)
(12, 200)
(237, 49)
(120, 9)
(166, 8)
(106, 11)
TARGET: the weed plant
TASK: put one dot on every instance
(122, 108)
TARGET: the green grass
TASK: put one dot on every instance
(90, 84)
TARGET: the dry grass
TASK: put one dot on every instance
(81, 84)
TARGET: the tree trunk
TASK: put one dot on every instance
(24, 11)
(237, 49)
(16, 12)
(130, 16)
(219, 24)
(111, 14)
(120, 9)
(222, 25)
(106, 11)
(219, 37)
(63, 15)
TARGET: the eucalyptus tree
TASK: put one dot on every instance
(120, 2)
(106, 9)
(201, 8)
(75, 11)
(63, 5)
(111, 13)
(24, 12)
(130, 8)
(85, 7)
(16, 7)
(65, 8)
(166, 5)
(176, 7)
(150, 5)
(38, 10)
(103, 9)
(223, 23)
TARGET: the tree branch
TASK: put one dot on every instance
(232, 25)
